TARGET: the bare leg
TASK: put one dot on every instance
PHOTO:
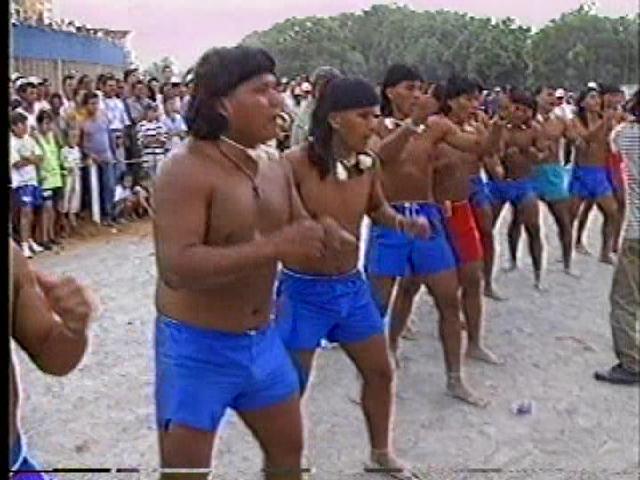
(530, 213)
(513, 234)
(444, 290)
(583, 221)
(278, 429)
(184, 447)
(470, 277)
(381, 290)
(560, 210)
(400, 311)
(609, 209)
(484, 221)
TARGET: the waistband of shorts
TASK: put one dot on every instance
(210, 333)
(590, 168)
(414, 208)
(354, 274)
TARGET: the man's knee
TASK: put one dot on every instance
(380, 374)
(408, 288)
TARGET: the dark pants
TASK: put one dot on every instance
(107, 176)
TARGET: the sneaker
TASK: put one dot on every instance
(35, 248)
(26, 251)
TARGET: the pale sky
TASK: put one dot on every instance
(184, 29)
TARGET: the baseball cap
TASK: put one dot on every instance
(560, 93)
(25, 81)
(593, 85)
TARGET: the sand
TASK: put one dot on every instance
(102, 415)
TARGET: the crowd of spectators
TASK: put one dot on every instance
(97, 142)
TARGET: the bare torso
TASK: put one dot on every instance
(234, 216)
(409, 176)
(595, 152)
(518, 161)
(344, 201)
(552, 131)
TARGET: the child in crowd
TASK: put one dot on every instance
(71, 158)
(125, 199)
(174, 124)
(50, 178)
(152, 136)
(144, 195)
(25, 157)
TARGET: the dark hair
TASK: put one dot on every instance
(540, 88)
(100, 80)
(521, 97)
(340, 94)
(218, 72)
(581, 112)
(128, 72)
(16, 118)
(55, 95)
(15, 103)
(82, 79)
(633, 105)
(124, 175)
(67, 77)
(88, 96)
(163, 88)
(457, 86)
(43, 115)
(439, 93)
(152, 92)
(396, 74)
(24, 87)
(609, 88)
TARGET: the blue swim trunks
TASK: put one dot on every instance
(22, 467)
(515, 192)
(202, 372)
(393, 254)
(339, 308)
(551, 182)
(29, 196)
(590, 182)
(480, 196)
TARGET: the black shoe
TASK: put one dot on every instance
(47, 246)
(618, 375)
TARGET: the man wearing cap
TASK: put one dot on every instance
(27, 93)
(319, 79)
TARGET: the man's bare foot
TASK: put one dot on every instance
(491, 293)
(582, 250)
(384, 462)
(572, 273)
(607, 258)
(478, 352)
(457, 389)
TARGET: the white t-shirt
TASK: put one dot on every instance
(71, 157)
(21, 148)
(122, 193)
(116, 113)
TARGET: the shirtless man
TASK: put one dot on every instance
(550, 175)
(454, 172)
(589, 179)
(49, 321)
(336, 177)
(612, 100)
(409, 135)
(226, 214)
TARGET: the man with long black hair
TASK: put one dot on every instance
(338, 178)
(226, 214)
(408, 135)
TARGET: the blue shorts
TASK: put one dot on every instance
(480, 196)
(28, 196)
(515, 192)
(590, 183)
(20, 462)
(201, 372)
(310, 308)
(552, 182)
(393, 254)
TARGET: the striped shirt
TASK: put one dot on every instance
(626, 140)
(149, 132)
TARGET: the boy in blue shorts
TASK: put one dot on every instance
(25, 157)
(338, 181)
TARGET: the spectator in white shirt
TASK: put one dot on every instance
(174, 124)
(26, 90)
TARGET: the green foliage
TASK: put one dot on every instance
(575, 48)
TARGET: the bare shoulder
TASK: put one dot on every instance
(296, 159)
(194, 165)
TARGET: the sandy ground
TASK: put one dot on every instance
(102, 414)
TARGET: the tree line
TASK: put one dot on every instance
(577, 47)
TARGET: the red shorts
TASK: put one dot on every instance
(615, 172)
(463, 234)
